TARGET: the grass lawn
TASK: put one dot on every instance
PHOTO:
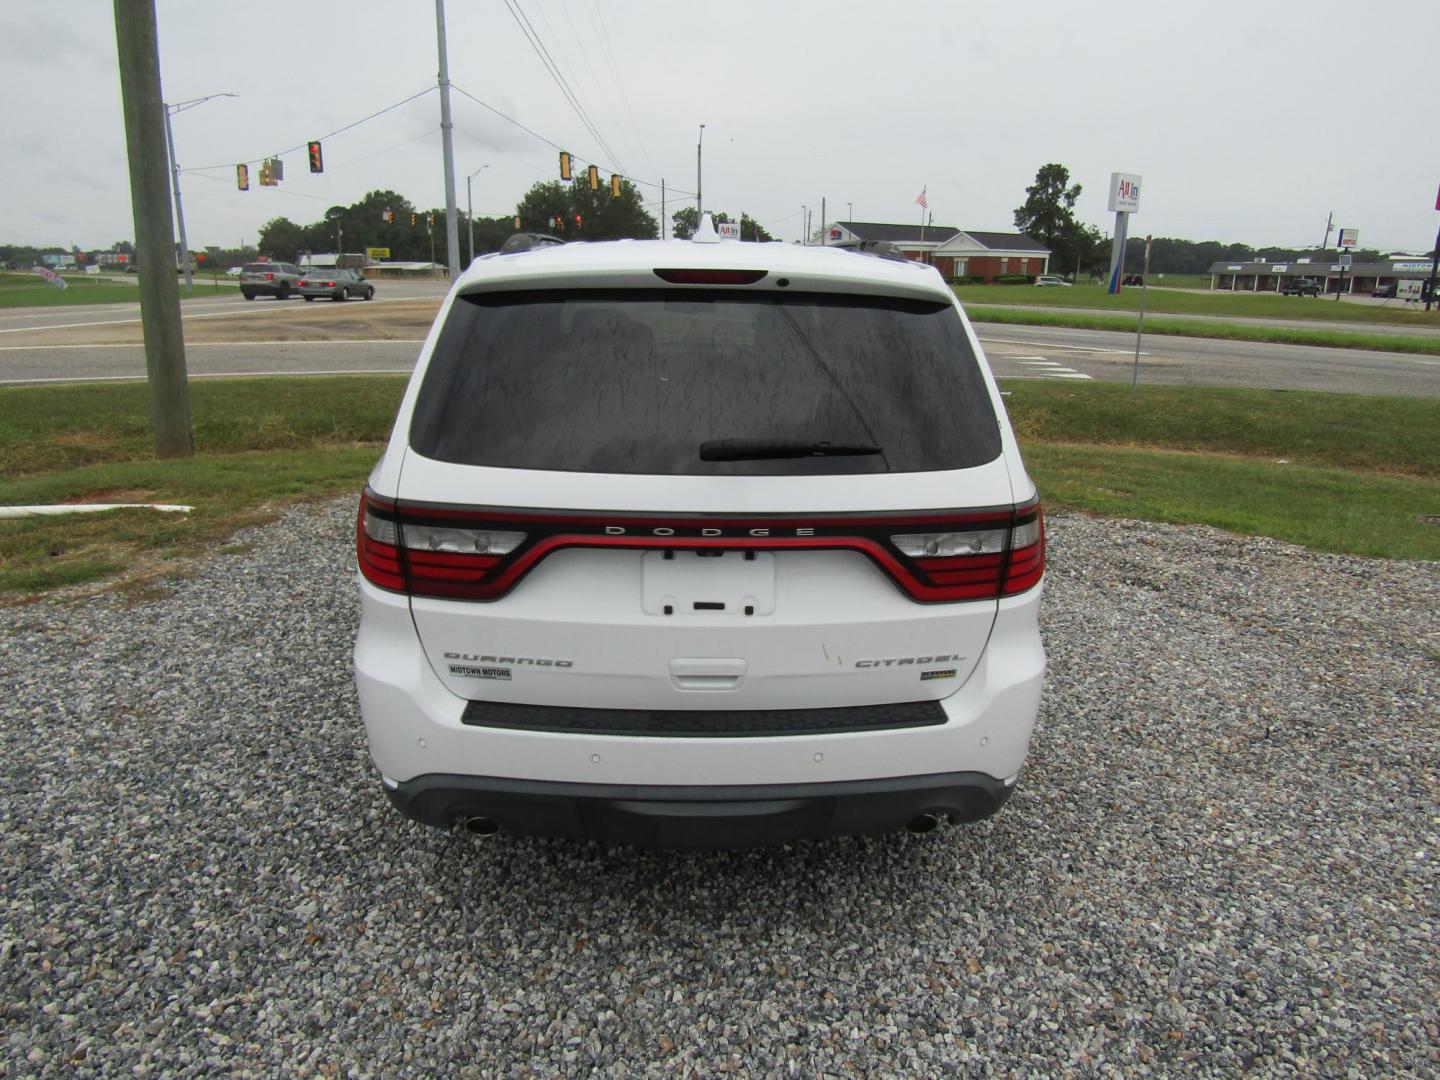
(1170, 302)
(28, 290)
(1269, 463)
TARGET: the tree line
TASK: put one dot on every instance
(1048, 215)
(571, 211)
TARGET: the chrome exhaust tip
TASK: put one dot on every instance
(481, 826)
(923, 823)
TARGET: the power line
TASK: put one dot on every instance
(552, 143)
(533, 37)
(620, 82)
(327, 135)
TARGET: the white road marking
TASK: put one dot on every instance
(1072, 348)
(234, 310)
(1050, 369)
(218, 344)
(207, 375)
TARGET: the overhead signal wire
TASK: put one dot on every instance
(595, 80)
(619, 81)
(327, 135)
(553, 144)
(533, 37)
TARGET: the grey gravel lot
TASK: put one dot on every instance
(1221, 858)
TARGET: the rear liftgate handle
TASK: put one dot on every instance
(707, 673)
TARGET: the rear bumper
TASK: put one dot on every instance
(701, 816)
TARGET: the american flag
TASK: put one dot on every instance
(921, 201)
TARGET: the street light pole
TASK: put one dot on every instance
(699, 201)
(447, 144)
(171, 110)
(470, 208)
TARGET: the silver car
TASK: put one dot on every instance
(277, 279)
(336, 284)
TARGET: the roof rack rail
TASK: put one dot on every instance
(880, 249)
(528, 241)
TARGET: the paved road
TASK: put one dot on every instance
(1015, 351)
(1056, 352)
(1397, 329)
(20, 320)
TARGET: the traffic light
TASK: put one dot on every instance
(430, 221)
(594, 172)
(317, 163)
(267, 174)
(387, 215)
(564, 165)
(517, 222)
(614, 185)
(414, 218)
(577, 221)
(242, 177)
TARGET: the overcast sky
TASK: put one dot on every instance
(1248, 121)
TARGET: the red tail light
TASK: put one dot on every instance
(329, 284)
(938, 557)
(269, 277)
(711, 277)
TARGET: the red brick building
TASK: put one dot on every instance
(956, 253)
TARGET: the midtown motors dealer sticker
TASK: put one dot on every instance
(475, 671)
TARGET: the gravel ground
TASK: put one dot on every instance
(1221, 858)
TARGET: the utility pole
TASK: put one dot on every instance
(138, 48)
(452, 229)
(662, 208)
(822, 219)
(699, 177)
(1329, 221)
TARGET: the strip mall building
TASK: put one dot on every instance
(1363, 277)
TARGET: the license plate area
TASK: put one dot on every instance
(682, 584)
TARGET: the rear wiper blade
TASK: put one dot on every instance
(756, 449)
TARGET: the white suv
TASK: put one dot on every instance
(697, 543)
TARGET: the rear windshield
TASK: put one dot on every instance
(638, 381)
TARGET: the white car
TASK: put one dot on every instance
(686, 543)
(1051, 279)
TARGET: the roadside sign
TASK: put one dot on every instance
(376, 254)
(1124, 193)
(1345, 260)
(728, 230)
(52, 277)
(1348, 238)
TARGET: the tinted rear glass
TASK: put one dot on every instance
(636, 381)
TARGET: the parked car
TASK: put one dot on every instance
(1051, 279)
(335, 284)
(1300, 287)
(1384, 292)
(234, 271)
(277, 279)
(665, 551)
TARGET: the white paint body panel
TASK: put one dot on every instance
(412, 721)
